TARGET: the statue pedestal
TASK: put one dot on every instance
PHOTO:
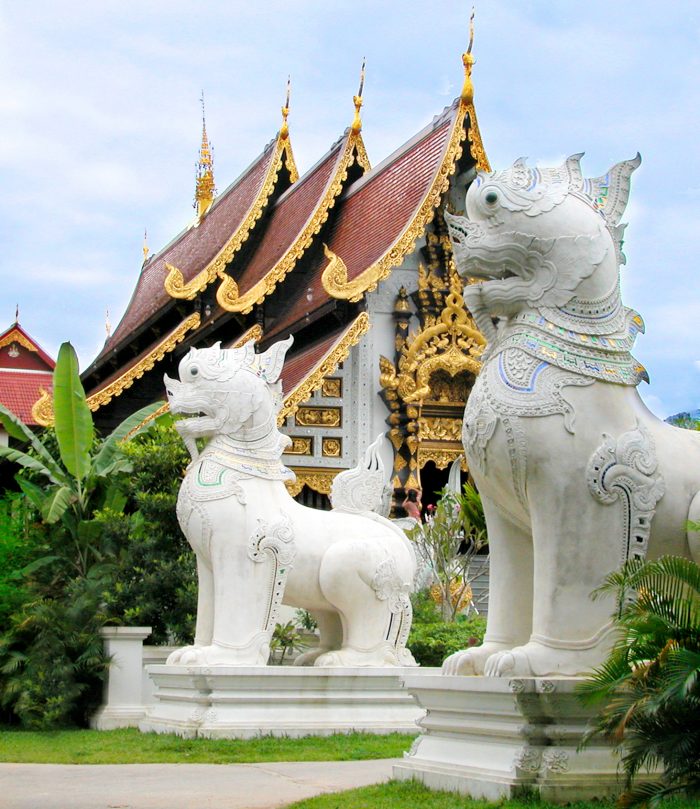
(496, 738)
(231, 702)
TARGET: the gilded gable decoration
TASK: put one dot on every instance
(427, 385)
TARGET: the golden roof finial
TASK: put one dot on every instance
(467, 96)
(284, 129)
(205, 188)
(357, 101)
(145, 246)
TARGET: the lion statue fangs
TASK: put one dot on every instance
(576, 475)
(257, 548)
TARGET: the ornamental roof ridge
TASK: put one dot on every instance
(350, 149)
(281, 155)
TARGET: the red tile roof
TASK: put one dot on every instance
(295, 218)
(299, 366)
(19, 390)
(193, 249)
(304, 372)
(373, 213)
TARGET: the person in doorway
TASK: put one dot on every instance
(412, 504)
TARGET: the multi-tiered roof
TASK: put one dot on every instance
(276, 254)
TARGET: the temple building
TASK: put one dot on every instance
(354, 261)
(26, 376)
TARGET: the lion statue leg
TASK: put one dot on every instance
(574, 547)
(330, 630)
(366, 584)
(509, 621)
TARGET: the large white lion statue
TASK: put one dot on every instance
(257, 547)
(575, 473)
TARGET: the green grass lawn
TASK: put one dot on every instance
(410, 795)
(129, 746)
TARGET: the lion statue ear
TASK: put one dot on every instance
(268, 366)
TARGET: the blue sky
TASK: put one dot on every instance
(100, 126)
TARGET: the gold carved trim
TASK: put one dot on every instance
(228, 295)
(327, 365)
(319, 417)
(301, 445)
(332, 388)
(175, 284)
(16, 336)
(335, 276)
(439, 428)
(42, 409)
(320, 480)
(331, 447)
(442, 457)
(127, 379)
(254, 333)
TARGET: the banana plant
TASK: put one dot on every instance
(84, 476)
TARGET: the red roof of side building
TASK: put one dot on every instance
(20, 390)
(25, 370)
(376, 211)
(197, 250)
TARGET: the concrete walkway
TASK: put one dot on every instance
(180, 786)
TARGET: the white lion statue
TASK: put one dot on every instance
(575, 473)
(258, 548)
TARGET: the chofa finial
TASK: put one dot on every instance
(284, 129)
(357, 101)
(467, 95)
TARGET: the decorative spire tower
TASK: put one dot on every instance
(145, 246)
(357, 101)
(205, 188)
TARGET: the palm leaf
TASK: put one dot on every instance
(72, 416)
(104, 459)
(18, 429)
(56, 503)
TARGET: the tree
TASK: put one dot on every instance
(650, 683)
(51, 658)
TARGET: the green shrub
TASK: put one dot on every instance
(156, 581)
(432, 640)
(649, 687)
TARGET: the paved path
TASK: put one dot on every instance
(180, 786)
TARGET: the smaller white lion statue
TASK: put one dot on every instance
(257, 547)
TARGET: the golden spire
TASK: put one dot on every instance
(357, 101)
(145, 246)
(205, 189)
(467, 96)
(284, 129)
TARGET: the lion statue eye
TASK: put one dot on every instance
(194, 370)
(491, 197)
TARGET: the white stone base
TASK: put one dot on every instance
(494, 738)
(233, 702)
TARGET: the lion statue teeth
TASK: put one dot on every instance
(257, 548)
(576, 475)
